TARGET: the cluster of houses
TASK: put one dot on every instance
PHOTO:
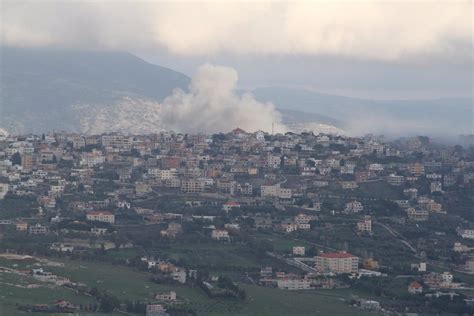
(93, 179)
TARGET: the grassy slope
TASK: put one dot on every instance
(129, 284)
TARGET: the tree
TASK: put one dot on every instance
(16, 159)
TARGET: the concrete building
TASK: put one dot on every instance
(365, 225)
(294, 283)
(299, 250)
(337, 262)
(101, 216)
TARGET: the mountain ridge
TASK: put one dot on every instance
(47, 89)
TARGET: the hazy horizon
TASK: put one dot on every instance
(371, 50)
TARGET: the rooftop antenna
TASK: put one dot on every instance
(273, 127)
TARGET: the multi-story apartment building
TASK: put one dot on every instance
(101, 216)
(337, 262)
(294, 283)
(192, 186)
(365, 225)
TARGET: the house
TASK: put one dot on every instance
(370, 264)
(289, 227)
(416, 214)
(179, 275)
(349, 185)
(156, 310)
(232, 226)
(436, 187)
(420, 267)
(469, 265)
(21, 226)
(458, 247)
(220, 234)
(395, 180)
(433, 280)
(294, 283)
(337, 262)
(228, 206)
(38, 229)
(354, 207)
(99, 231)
(192, 186)
(61, 247)
(369, 305)
(101, 216)
(3, 189)
(171, 296)
(299, 250)
(62, 304)
(416, 169)
(466, 233)
(275, 191)
(172, 231)
(266, 272)
(365, 225)
(239, 133)
(415, 288)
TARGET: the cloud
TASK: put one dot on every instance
(210, 106)
(382, 30)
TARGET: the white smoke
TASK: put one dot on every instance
(211, 105)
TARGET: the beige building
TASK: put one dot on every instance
(416, 169)
(101, 216)
(337, 262)
(192, 186)
(365, 225)
(275, 191)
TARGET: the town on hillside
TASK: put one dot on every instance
(196, 224)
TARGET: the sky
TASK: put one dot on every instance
(376, 49)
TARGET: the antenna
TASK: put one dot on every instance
(273, 127)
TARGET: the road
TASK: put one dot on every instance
(399, 237)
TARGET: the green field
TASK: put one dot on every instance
(13, 291)
(127, 283)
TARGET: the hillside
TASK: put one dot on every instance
(446, 117)
(39, 86)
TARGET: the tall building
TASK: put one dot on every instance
(337, 262)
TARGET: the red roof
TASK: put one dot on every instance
(231, 203)
(100, 213)
(415, 285)
(337, 255)
(238, 130)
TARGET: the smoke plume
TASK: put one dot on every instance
(211, 105)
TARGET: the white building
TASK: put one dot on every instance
(354, 207)
(3, 189)
(179, 275)
(436, 187)
(294, 284)
(101, 216)
(228, 206)
(220, 234)
(275, 191)
(163, 174)
(299, 250)
(365, 225)
(466, 233)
